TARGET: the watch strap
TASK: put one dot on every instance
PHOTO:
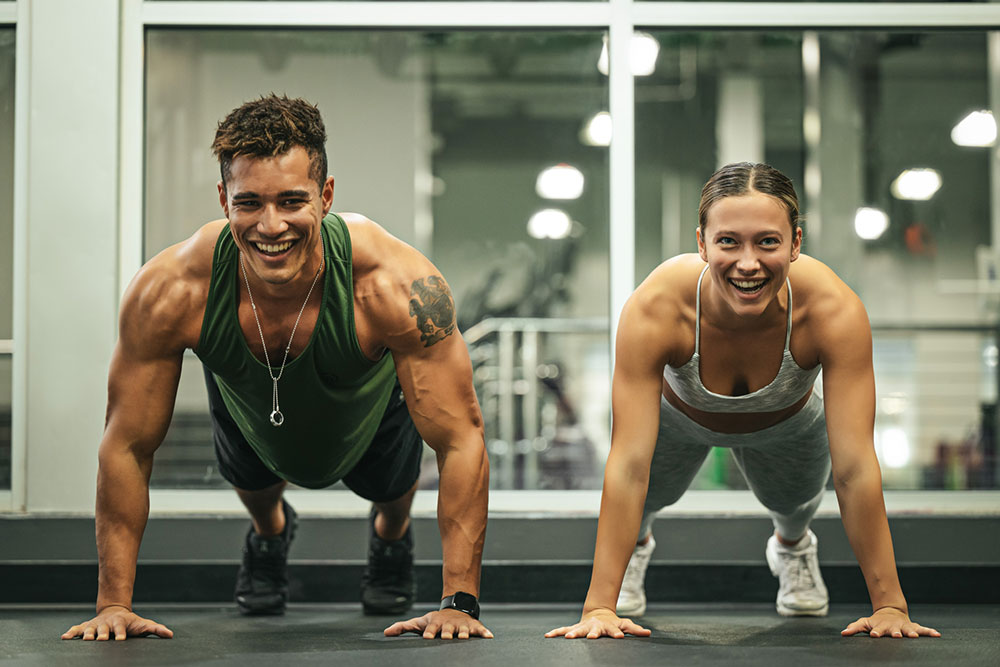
(461, 601)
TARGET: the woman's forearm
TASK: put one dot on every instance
(862, 509)
(617, 528)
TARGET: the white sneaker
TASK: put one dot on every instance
(632, 598)
(801, 591)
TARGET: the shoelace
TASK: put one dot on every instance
(384, 565)
(797, 570)
(269, 563)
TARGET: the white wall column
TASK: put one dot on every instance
(70, 210)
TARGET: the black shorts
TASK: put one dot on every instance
(387, 470)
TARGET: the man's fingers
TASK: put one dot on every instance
(72, 633)
(400, 627)
(447, 631)
(121, 632)
(926, 632)
(558, 632)
(431, 631)
(483, 631)
(463, 632)
(163, 631)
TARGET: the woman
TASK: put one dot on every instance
(711, 352)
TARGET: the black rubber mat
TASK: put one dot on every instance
(751, 634)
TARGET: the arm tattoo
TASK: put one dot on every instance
(434, 309)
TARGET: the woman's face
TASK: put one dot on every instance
(749, 246)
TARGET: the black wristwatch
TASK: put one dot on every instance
(462, 602)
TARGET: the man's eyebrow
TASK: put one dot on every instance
(294, 193)
(245, 195)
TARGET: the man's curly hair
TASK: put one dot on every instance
(268, 127)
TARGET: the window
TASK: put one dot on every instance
(441, 137)
(847, 115)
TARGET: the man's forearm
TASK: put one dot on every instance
(121, 513)
(462, 508)
(862, 509)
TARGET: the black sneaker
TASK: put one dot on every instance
(262, 582)
(387, 585)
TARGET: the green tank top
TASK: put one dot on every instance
(332, 396)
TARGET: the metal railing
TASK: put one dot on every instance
(510, 389)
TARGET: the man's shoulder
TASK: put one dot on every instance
(379, 256)
(169, 293)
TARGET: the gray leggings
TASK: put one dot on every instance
(786, 465)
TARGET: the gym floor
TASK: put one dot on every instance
(703, 634)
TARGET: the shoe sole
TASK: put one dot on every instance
(788, 611)
(276, 611)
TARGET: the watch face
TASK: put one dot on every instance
(462, 602)
(465, 602)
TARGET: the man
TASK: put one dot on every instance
(313, 328)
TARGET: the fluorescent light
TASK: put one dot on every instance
(562, 181)
(550, 223)
(895, 446)
(916, 184)
(870, 223)
(643, 52)
(977, 129)
(598, 130)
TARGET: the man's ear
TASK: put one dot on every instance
(223, 199)
(327, 195)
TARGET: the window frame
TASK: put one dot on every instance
(620, 18)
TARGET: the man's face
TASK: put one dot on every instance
(275, 209)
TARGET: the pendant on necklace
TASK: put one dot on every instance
(277, 419)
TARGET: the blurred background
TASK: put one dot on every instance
(488, 149)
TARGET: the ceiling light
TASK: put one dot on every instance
(977, 129)
(870, 223)
(562, 181)
(598, 130)
(550, 223)
(642, 54)
(916, 184)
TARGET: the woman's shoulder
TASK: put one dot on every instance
(668, 292)
(677, 276)
(821, 293)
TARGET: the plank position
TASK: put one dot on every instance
(711, 352)
(330, 352)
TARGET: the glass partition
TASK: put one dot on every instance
(888, 138)
(443, 138)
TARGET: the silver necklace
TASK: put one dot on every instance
(277, 419)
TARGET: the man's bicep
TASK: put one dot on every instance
(141, 392)
(437, 383)
(431, 309)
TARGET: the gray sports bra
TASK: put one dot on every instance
(789, 386)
